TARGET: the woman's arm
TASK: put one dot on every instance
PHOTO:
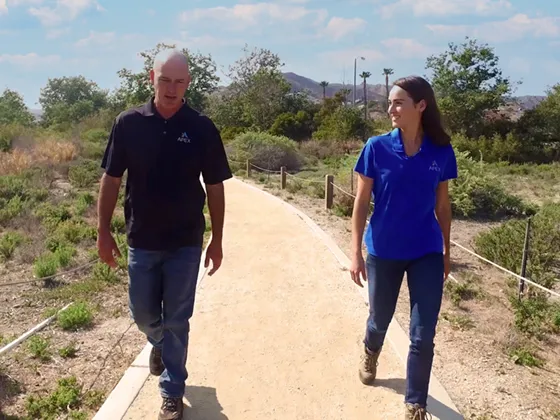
(443, 214)
(360, 211)
(359, 214)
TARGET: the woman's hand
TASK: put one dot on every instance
(357, 269)
(446, 265)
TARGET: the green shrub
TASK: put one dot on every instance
(83, 202)
(52, 215)
(66, 397)
(46, 265)
(39, 348)
(478, 194)
(266, 150)
(9, 134)
(94, 142)
(78, 315)
(84, 173)
(504, 245)
(9, 241)
(534, 315)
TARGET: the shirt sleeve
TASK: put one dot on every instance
(450, 169)
(114, 159)
(215, 168)
(366, 162)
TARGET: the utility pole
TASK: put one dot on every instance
(355, 70)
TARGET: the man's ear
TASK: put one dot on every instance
(152, 76)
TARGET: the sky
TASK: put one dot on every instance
(319, 39)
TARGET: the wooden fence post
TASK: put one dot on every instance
(248, 169)
(329, 189)
(524, 259)
(283, 177)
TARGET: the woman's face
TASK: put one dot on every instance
(402, 109)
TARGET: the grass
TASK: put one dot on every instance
(458, 321)
(464, 291)
(525, 357)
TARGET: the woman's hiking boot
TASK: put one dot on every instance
(368, 366)
(416, 412)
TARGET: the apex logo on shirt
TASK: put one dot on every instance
(434, 166)
(184, 138)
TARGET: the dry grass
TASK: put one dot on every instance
(48, 151)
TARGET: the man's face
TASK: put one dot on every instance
(170, 80)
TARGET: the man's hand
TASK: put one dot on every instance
(446, 265)
(107, 248)
(357, 269)
(214, 253)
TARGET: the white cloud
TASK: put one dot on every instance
(445, 7)
(407, 48)
(62, 11)
(241, 16)
(96, 38)
(348, 56)
(338, 27)
(57, 32)
(30, 61)
(512, 29)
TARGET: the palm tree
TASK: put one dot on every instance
(324, 85)
(387, 73)
(365, 75)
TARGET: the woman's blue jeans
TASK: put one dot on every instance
(425, 284)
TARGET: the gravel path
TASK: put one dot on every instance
(277, 331)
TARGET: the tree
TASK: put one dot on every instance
(324, 85)
(13, 109)
(469, 84)
(258, 92)
(136, 88)
(387, 72)
(365, 75)
(67, 100)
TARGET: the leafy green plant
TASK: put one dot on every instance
(79, 315)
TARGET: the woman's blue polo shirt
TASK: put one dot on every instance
(403, 224)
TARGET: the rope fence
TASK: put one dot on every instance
(73, 270)
(330, 187)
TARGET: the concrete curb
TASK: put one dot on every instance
(439, 401)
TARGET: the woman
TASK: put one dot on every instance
(407, 170)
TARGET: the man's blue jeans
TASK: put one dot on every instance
(162, 287)
(425, 284)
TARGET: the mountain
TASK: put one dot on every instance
(528, 101)
(301, 83)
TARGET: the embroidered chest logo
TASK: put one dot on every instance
(434, 166)
(184, 138)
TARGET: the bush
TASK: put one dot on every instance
(504, 245)
(94, 142)
(84, 173)
(9, 241)
(266, 150)
(478, 194)
(10, 134)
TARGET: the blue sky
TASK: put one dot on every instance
(315, 38)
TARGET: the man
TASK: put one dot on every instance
(165, 146)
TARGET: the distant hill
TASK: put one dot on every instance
(301, 83)
(528, 101)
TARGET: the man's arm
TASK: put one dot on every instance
(108, 196)
(114, 163)
(216, 206)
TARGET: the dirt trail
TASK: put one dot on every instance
(277, 331)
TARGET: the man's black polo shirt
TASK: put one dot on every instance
(164, 197)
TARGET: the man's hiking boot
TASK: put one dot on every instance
(156, 363)
(368, 366)
(171, 409)
(416, 412)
